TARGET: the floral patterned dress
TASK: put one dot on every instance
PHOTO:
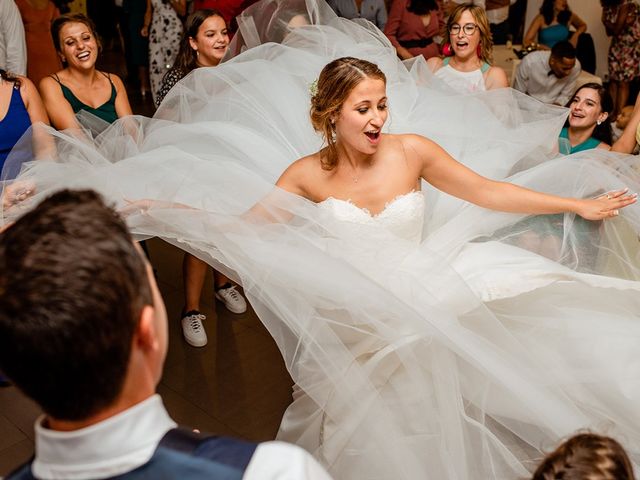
(624, 52)
(164, 42)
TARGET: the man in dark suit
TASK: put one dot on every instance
(83, 332)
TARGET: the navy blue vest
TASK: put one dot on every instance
(184, 455)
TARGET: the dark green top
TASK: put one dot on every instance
(588, 144)
(106, 111)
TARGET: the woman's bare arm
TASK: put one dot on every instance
(532, 32)
(627, 141)
(443, 172)
(580, 27)
(58, 108)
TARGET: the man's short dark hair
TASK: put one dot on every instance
(72, 287)
(563, 49)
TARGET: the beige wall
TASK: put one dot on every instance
(590, 11)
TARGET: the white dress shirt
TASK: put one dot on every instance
(128, 440)
(534, 77)
(13, 47)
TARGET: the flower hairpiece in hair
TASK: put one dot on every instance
(313, 88)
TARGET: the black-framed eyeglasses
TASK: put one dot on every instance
(467, 28)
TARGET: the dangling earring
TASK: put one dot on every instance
(447, 50)
(479, 51)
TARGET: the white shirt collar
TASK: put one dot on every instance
(112, 447)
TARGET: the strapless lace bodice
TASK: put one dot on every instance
(403, 216)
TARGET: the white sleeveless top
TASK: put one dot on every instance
(463, 82)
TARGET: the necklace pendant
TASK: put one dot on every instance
(355, 180)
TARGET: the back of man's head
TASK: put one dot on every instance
(72, 286)
(563, 49)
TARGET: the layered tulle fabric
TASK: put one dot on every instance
(432, 340)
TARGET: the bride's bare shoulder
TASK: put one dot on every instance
(410, 140)
(297, 176)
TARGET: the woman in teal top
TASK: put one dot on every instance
(588, 125)
(553, 34)
(79, 86)
(551, 25)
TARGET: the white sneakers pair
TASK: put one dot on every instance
(192, 327)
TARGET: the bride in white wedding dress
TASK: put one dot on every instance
(428, 338)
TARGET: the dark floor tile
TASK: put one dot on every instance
(239, 379)
(9, 433)
(20, 410)
(188, 415)
(14, 456)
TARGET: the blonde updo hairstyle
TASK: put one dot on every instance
(335, 83)
(480, 17)
(586, 456)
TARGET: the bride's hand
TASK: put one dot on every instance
(607, 205)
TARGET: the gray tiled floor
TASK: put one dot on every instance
(236, 385)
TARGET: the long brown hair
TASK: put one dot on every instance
(480, 16)
(336, 81)
(586, 456)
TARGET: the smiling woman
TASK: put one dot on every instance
(468, 53)
(588, 125)
(79, 86)
(204, 42)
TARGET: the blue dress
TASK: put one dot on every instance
(14, 124)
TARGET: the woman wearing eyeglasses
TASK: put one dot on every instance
(412, 26)
(466, 66)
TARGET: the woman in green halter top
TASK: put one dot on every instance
(79, 86)
(588, 125)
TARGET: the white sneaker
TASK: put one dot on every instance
(232, 299)
(192, 328)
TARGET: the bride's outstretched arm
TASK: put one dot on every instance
(443, 172)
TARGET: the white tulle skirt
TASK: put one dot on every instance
(462, 356)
